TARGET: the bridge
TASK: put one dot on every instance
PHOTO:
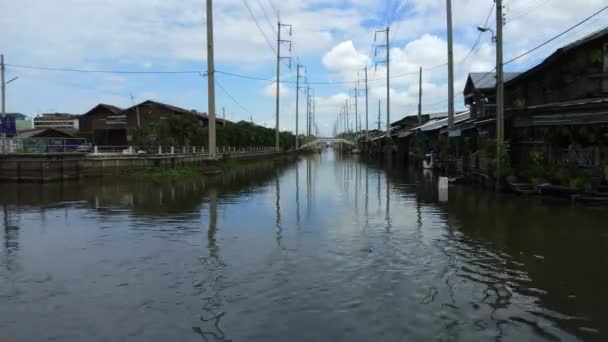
(328, 141)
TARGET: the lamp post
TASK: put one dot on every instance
(500, 135)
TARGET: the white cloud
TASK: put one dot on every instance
(271, 89)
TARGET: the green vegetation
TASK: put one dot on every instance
(182, 130)
(504, 155)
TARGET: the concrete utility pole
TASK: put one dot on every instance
(278, 87)
(387, 46)
(450, 68)
(379, 113)
(4, 150)
(388, 83)
(357, 128)
(420, 99)
(211, 80)
(297, 103)
(500, 134)
(223, 116)
(346, 111)
(366, 107)
(314, 108)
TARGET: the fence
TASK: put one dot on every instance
(77, 145)
(582, 157)
(44, 145)
(163, 150)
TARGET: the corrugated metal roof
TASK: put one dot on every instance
(487, 80)
(440, 123)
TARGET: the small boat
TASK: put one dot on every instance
(356, 151)
(520, 188)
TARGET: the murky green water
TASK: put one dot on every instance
(325, 249)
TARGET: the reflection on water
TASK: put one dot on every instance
(373, 256)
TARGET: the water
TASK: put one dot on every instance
(325, 249)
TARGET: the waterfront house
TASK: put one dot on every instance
(109, 125)
(559, 108)
(556, 112)
(480, 93)
(103, 125)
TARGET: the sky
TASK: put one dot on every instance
(333, 40)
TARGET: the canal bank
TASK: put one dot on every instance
(48, 167)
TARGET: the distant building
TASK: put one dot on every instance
(57, 120)
(109, 125)
(22, 121)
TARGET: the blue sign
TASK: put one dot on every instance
(8, 125)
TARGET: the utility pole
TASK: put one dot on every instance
(4, 150)
(388, 83)
(500, 134)
(308, 106)
(314, 108)
(298, 66)
(278, 87)
(223, 116)
(211, 80)
(136, 110)
(366, 107)
(420, 99)
(346, 111)
(379, 113)
(450, 68)
(388, 80)
(356, 110)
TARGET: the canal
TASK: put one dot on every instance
(326, 248)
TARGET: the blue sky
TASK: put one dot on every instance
(333, 39)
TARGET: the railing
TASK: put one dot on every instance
(181, 150)
(76, 145)
(582, 157)
(44, 145)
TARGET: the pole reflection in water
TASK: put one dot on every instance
(209, 288)
(278, 227)
(297, 167)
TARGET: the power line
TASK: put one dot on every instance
(259, 27)
(557, 36)
(93, 71)
(266, 16)
(231, 97)
(474, 47)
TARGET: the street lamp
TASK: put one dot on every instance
(486, 29)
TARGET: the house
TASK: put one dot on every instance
(104, 125)
(57, 120)
(480, 92)
(110, 125)
(560, 107)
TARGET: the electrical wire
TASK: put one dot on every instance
(474, 47)
(230, 96)
(557, 36)
(272, 28)
(259, 27)
(103, 71)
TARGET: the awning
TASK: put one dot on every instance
(438, 124)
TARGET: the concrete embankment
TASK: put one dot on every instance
(65, 166)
